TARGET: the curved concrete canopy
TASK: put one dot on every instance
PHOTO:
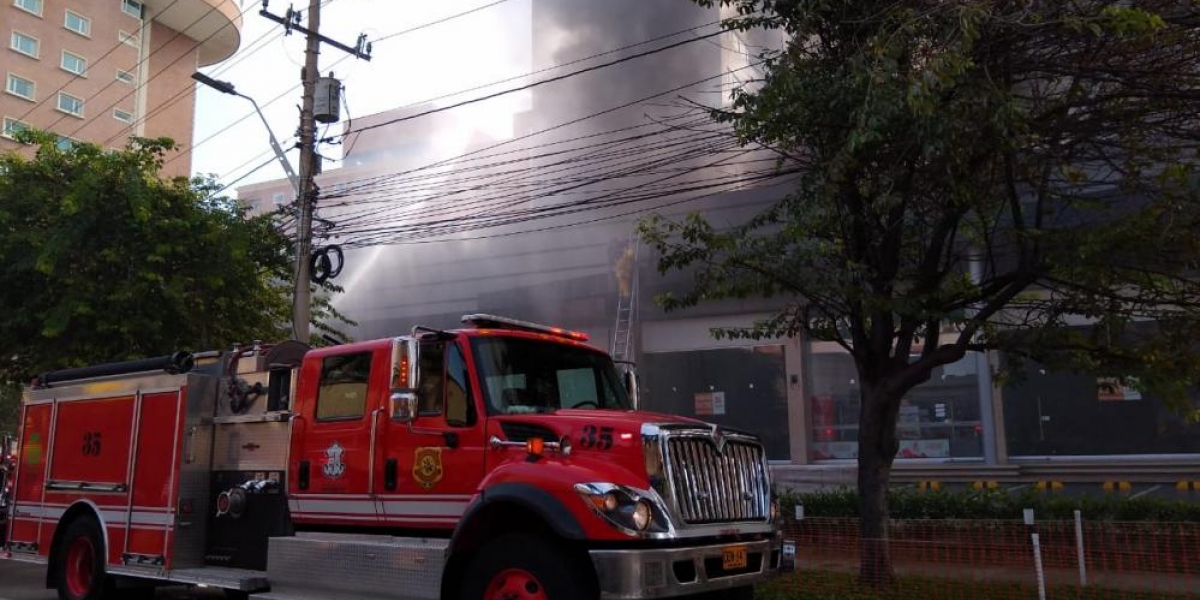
(215, 24)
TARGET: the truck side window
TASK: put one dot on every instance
(460, 410)
(342, 392)
(431, 389)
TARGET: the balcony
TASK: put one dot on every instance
(215, 24)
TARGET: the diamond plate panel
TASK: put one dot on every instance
(195, 464)
(261, 446)
(347, 564)
(233, 579)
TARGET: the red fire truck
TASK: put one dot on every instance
(502, 460)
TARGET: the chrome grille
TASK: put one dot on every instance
(713, 487)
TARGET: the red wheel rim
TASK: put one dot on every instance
(81, 564)
(515, 584)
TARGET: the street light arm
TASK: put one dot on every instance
(227, 88)
(287, 165)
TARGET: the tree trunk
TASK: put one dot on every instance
(877, 446)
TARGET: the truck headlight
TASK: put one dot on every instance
(628, 509)
(642, 515)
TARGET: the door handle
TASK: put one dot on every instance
(304, 467)
(389, 474)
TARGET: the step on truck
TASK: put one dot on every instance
(501, 460)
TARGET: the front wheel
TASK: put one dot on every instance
(79, 561)
(525, 567)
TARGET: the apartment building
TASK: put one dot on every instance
(102, 71)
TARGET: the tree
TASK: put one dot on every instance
(102, 260)
(972, 175)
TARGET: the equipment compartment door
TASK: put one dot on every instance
(429, 471)
(150, 515)
(329, 474)
(26, 528)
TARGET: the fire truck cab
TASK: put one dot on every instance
(504, 459)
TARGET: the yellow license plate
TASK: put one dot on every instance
(733, 557)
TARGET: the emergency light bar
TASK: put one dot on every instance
(493, 321)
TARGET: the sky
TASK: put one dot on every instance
(483, 47)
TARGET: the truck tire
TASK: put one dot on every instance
(79, 561)
(519, 566)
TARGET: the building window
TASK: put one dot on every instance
(19, 86)
(70, 104)
(1063, 413)
(12, 127)
(73, 63)
(939, 419)
(25, 44)
(123, 116)
(132, 8)
(33, 6)
(78, 23)
(129, 39)
(740, 388)
(278, 199)
(64, 143)
(126, 77)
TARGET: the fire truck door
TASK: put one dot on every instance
(430, 468)
(330, 475)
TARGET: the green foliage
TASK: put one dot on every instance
(10, 406)
(907, 503)
(103, 260)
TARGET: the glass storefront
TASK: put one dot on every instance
(1072, 414)
(741, 388)
(939, 419)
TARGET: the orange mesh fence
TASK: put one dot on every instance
(985, 560)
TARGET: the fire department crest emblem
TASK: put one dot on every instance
(334, 467)
(427, 466)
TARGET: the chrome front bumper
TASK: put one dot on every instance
(667, 572)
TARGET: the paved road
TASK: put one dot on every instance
(21, 581)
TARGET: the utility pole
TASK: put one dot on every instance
(301, 300)
(309, 161)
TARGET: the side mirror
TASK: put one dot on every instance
(403, 407)
(405, 374)
(629, 377)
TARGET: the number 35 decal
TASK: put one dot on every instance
(590, 439)
(91, 443)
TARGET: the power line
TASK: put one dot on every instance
(334, 64)
(595, 151)
(579, 223)
(239, 179)
(498, 211)
(249, 51)
(439, 21)
(420, 231)
(560, 65)
(533, 85)
(561, 125)
(644, 158)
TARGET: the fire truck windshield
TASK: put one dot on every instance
(522, 376)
